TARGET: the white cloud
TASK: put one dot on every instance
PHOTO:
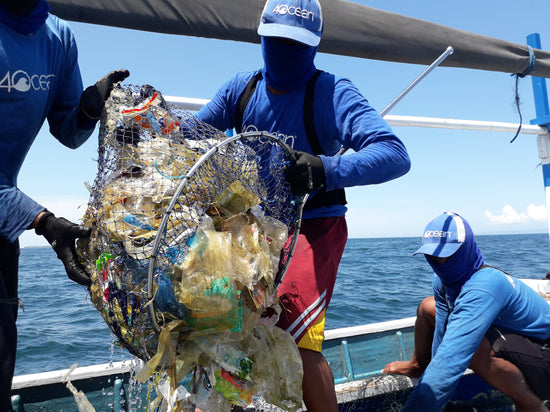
(537, 213)
(510, 216)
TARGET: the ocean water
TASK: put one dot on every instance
(378, 280)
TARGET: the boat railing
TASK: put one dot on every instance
(194, 104)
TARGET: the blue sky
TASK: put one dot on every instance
(496, 185)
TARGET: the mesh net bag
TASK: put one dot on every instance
(191, 234)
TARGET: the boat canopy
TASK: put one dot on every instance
(351, 29)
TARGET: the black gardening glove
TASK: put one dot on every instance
(61, 234)
(93, 98)
(305, 173)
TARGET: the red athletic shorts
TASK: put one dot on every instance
(306, 289)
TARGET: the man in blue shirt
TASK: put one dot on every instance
(316, 113)
(479, 317)
(39, 79)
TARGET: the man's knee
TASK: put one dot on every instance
(483, 357)
(426, 309)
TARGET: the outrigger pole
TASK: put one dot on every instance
(422, 75)
(543, 119)
(448, 51)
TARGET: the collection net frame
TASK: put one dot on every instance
(192, 231)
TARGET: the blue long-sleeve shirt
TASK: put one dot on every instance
(489, 298)
(39, 79)
(342, 117)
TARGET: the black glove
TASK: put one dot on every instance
(305, 173)
(93, 98)
(61, 234)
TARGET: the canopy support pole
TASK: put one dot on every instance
(543, 119)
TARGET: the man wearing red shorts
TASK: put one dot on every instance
(316, 113)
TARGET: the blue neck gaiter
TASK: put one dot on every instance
(29, 23)
(287, 66)
(460, 267)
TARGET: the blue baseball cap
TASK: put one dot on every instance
(443, 235)
(299, 20)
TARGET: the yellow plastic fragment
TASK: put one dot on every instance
(236, 199)
(163, 343)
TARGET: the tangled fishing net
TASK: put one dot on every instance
(191, 234)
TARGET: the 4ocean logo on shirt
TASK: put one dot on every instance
(288, 139)
(21, 81)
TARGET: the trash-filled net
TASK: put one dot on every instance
(191, 234)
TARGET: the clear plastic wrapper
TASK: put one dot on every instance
(184, 263)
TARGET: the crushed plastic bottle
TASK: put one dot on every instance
(215, 256)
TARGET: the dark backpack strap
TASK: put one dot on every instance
(308, 115)
(243, 100)
(321, 198)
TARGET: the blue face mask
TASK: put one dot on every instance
(21, 20)
(460, 267)
(287, 66)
